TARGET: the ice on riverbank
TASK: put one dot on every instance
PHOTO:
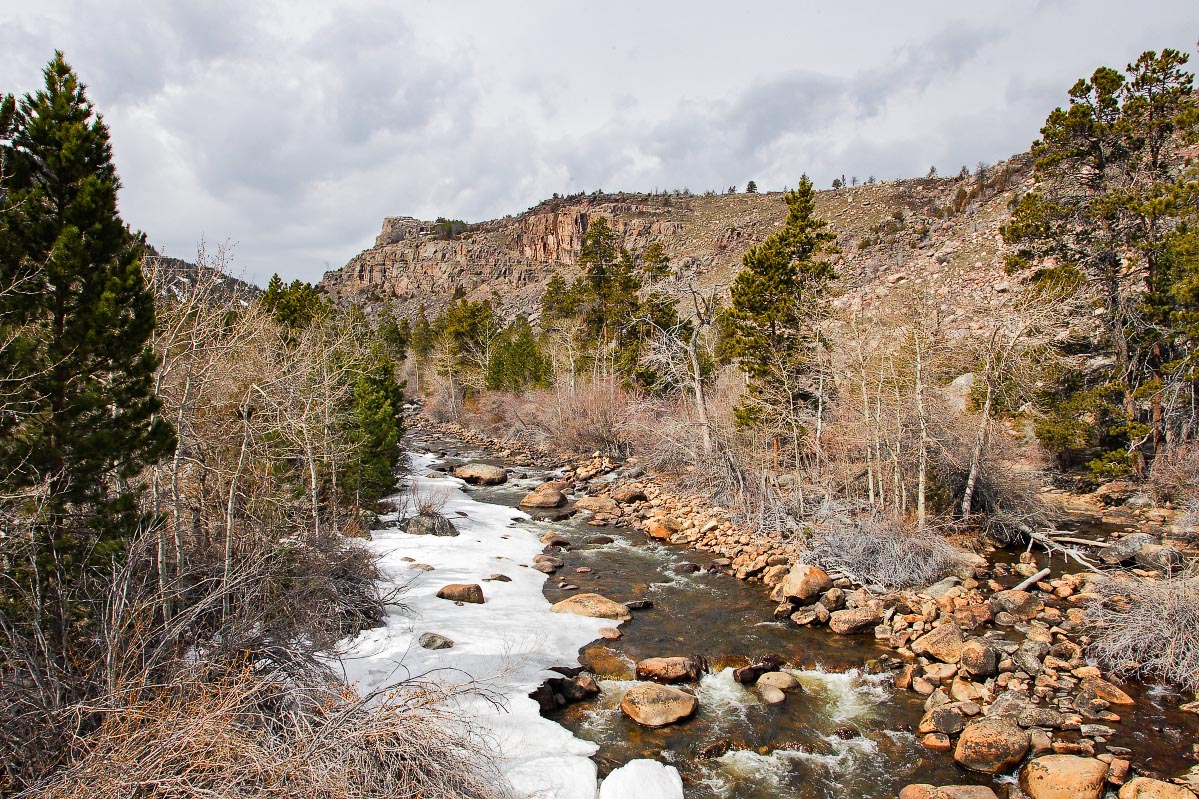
(639, 779)
(504, 646)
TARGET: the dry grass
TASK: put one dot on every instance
(242, 734)
(875, 550)
(1148, 628)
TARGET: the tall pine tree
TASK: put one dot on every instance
(79, 316)
(76, 320)
(773, 335)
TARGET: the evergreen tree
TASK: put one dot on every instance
(655, 263)
(772, 297)
(295, 305)
(751, 187)
(375, 428)
(78, 317)
(422, 335)
(1109, 208)
(82, 317)
(517, 362)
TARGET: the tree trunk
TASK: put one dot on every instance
(227, 599)
(980, 442)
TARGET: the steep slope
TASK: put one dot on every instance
(889, 234)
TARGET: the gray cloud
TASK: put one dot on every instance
(292, 128)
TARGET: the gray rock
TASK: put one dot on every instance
(435, 641)
(430, 524)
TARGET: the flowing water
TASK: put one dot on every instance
(847, 734)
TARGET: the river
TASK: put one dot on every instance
(847, 734)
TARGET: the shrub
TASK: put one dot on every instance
(1147, 628)
(244, 734)
(876, 550)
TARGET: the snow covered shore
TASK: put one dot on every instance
(507, 643)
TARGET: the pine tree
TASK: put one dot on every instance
(84, 315)
(655, 263)
(1112, 195)
(375, 428)
(517, 362)
(772, 298)
(751, 187)
(78, 318)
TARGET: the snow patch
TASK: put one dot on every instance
(504, 646)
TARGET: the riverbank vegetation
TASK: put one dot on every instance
(186, 469)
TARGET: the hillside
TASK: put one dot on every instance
(938, 230)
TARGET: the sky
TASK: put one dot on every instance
(287, 131)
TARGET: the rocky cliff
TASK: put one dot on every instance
(943, 231)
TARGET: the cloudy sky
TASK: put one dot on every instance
(290, 129)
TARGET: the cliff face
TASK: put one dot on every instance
(889, 234)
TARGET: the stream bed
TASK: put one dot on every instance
(847, 734)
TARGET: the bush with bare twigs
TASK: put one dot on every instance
(238, 733)
(1148, 628)
(876, 550)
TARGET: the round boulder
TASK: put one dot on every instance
(546, 495)
(943, 643)
(778, 679)
(856, 620)
(805, 583)
(672, 669)
(597, 504)
(462, 592)
(430, 524)
(593, 606)
(435, 641)
(652, 705)
(1145, 788)
(483, 474)
(1064, 777)
(991, 746)
(1021, 604)
(629, 492)
(979, 657)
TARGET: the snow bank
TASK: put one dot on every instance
(507, 644)
(643, 779)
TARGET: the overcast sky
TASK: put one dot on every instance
(290, 129)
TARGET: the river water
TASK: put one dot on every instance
(847, 734)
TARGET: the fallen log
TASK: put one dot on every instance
(1035, 578)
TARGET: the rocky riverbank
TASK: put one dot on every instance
(1002, 669)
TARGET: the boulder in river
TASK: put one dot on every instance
(462, 592)
(750, 674)
(628, 493)
(780, 680)
(979, 657)
(430, 523)
(481, 474)
(771, 695)
(597, 504)
(804, 583)
(991, 746)
(1127, 548)
(1099, 688)
(926, 791)
(1021, 604)
(1146, 788)
(546, 495)
(853, 621)
(594, 606)
(943, 643)
(672, 669)
(653, 705)
(1064, 777)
